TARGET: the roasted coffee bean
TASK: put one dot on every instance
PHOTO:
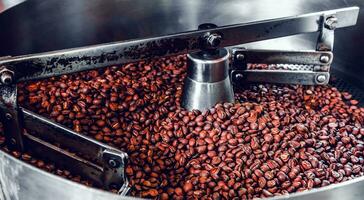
(262, 182)
(306, 165)
(269, 175)
(271, 141)
(187, 186)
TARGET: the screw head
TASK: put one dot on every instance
(239, 77)
(331, 22)
(214, 40)
(8, 116)
(6, 78)
(324, 59)
(240, 56)
(321, 78)
(113, 163)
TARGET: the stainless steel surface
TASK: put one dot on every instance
(325, 40)
(282, 57)
(7, 4)
(38, 26)
(299, 67)
(203, 67)
(205, 74)
(69, 61)
(9, 111)
(89, 157)
(207, 82)
(21, 181)
(69, 24)
(281, 76)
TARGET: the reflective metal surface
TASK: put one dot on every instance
(288, 67)
(7, 4)
(25, 182)
(207, 81)
(78, 153)
(38, 26)
(35, 66)
(284, 77)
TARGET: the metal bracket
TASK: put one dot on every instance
(290, 67)
(9, 110)
(53, 142)
(98, 162)
(325, 40)
(114, 176)
(309, 67)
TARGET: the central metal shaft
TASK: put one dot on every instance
(207, 82)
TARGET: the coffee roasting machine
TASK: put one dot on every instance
(222, 40)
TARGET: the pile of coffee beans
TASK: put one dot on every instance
(274, 140)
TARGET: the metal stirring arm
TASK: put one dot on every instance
(104, 164)
(289, 67)
(98, 162)
(299, 67)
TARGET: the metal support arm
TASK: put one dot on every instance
(306, 67)
(96, 161)
(50, 64)
(302, 67)
(9, 110)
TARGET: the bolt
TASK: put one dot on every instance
(331, 23)
(113, 163)
(321, 78)
(239, 77)
(8, 116)
(6, 78)
(324, 59)
(240, 57)
(214, 40)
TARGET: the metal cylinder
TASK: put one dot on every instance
(207, 82)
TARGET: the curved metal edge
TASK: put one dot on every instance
(19, 181)
(7, 5)
(348, 190)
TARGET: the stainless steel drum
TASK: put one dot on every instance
(38, 26)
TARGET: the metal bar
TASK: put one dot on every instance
(64, 159)
(279, 57)
(74, 60)
(281, 76)
(325, 41)
(55, 133)
(9, 115)
(100, 161)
